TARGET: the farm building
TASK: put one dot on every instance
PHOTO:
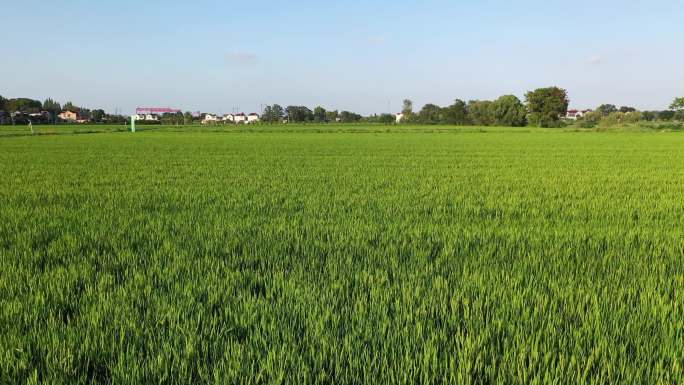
(252, 118)
(575, 114)
(210, 118)
(68, 116)
(240, 118)
(148, 117)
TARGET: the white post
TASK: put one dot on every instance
(132, 123)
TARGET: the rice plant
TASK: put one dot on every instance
(322, 257)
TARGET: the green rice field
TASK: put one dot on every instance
(349, 255)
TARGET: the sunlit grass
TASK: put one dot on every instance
(511, 257)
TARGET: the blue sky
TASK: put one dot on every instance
(364, 56)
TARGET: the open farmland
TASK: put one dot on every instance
(172, 257)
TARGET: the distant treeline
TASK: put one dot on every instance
(608, 115)
(543, 107)
(24, 110)
(302, 114)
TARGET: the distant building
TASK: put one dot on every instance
(229, 118)
(68, 116)
(252, 118)
(240, 118)
(210, 118)
(576, 114)
(399, 117)
(42, 116)
(147, 117)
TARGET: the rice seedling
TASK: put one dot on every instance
(297, 257)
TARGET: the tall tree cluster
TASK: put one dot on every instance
(302, 114)
(299, 114)
(23, 110)
(543, 107)
(546, 106)
(273, 114)
(507, 110)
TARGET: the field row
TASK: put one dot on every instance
(269, 258)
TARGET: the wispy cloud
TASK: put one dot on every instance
(377, 40)
(594, 60)
(240, 58)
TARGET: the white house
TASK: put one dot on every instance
(150, 117)
(210, 118)
(576, 114)
(252, 118)
(399, 117)
(240, 118)
(229, 118)
(68, 116)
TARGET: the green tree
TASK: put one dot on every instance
(387, 119)
(457, 113)
(84, 114)
(625, 109)
(293, 114)
(52, 107)
(407, 107)
(23, 105)
(679, 115)
(98, 115)
(349, 117)
(171, 118)
(632, 116)
(481, 112)
(591, 119)
(407, 111)
(267, 115)
(430, 114)
(2, 110)
(606, 109)
(319, 114)
(666, 115)
(508, 111)
(649, 115)
(298, 114)
(69, 106)
(331, 116)
(613, 119)
(187, 118)
(277, 113)
(546, 106)
(677, 104)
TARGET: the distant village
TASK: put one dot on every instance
(204, 118)
(544, 107)
(240, 118)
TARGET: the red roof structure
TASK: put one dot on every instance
(155, 110)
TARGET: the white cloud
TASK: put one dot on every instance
(377, 40)
(594, 60)
(241, 57)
